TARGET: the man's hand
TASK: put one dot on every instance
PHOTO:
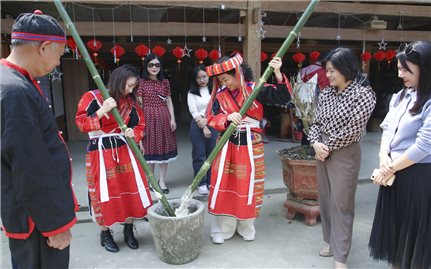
(60, 241)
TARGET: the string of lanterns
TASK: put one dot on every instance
(201, 54)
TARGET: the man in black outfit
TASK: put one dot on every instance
(37, 201)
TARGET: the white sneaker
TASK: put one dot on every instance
(248, 238)
(218, 238)
(203, 190)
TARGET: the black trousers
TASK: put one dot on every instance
(34, 252)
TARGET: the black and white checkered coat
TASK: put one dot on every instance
(342, 116)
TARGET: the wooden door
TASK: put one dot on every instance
(75, 84)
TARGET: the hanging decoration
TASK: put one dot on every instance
(117, 51)
(263, 56)
(148, 28)
(178, 53)
(338, 36)
(204, 38)
(159, 51)
(186, 50)
(314, 56)
(366, 56)
(71, 42)
(142, 51)
(169, 40)
(401, 27)
(261, 32)
(298, 58)
(214, 55)
(131, 23)
(72, 45)
(94, 45)
(201, 54)
(390, 54)
(55, 74)
(380, 55)
(239, 27)
(298, 40)
(219, 48)
(382, 45)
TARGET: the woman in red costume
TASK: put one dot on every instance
(238, 172)
(117, 186)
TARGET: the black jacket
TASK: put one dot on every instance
(35, 165)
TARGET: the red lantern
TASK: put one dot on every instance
(118, 51)
(314, 55)
(178, 53)
(159, 51)
(201, 54)
(298, 58)
(94, 45)
(390, 54)
(263, 56)
(366, 56)
(142, 51)
(72, 45)
(214, 55)
(380, 55)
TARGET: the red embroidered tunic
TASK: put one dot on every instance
(237, 179)
(118, 188)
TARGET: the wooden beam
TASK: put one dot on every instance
(351, 8)
(211, 30)
(325, 6)
(252, 43)
(236, 4)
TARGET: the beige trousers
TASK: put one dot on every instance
(227, 226)
(337, 180)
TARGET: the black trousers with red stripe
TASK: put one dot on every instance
(34, 252)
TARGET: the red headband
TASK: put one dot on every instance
(223, 67)
(38, 37)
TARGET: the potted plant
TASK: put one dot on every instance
(299, 164)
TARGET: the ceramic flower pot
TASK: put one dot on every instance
(300, 178)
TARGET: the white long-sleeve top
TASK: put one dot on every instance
(198, 104)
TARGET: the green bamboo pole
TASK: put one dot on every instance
(268, 72)
(96, 77)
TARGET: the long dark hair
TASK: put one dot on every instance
(418, 53)
(194, 86)
(149, 58)
(246, 69)
(117, 81)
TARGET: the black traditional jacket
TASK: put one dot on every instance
(36, 171)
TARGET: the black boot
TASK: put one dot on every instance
(129, 237)
(108, 242)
